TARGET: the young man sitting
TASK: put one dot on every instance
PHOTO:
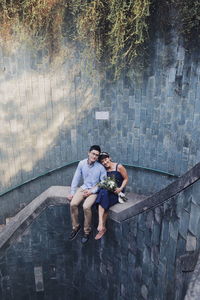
(92, 172)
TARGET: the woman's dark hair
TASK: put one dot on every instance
(95, 147)
(103, 155)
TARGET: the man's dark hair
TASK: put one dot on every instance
(95, 147)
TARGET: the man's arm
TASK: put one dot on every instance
(103, 175)
(75, 180)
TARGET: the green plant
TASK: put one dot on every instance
(112, 33)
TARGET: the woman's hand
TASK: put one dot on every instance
(117, 190)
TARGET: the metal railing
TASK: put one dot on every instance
(76, 162)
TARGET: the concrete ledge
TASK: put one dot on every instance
(53, 196)
(142, 204)
(57, 195)
(120, 212)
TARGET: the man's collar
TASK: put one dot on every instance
(90, 164)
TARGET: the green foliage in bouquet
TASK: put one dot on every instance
(109, 184)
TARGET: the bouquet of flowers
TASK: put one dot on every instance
(110, 184)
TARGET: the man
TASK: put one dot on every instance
(92, 172)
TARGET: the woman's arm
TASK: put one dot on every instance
(124, 174)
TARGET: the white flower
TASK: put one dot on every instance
(121, 198)
(112, 184)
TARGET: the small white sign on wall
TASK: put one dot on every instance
(102, 115)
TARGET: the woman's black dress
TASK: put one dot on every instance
(107, 198)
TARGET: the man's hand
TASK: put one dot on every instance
(69, 197)
(87, 193)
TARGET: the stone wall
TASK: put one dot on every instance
(148, 256)
(42, 108)
(48, 113)
(160, 248)
(13, 201)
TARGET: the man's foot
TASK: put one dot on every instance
(85, 238)
(74, 233)
(100, 234)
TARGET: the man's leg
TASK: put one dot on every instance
(89, 201)
(76, 200)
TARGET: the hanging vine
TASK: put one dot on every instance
(113, 31)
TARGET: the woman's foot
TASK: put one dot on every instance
(100, 227)
(100, 234)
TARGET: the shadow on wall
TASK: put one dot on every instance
(47, 115)
(40, 110)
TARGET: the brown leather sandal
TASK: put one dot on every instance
(100, 234)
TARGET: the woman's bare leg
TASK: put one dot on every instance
(101, 218)
(105, 218)
(102, 221)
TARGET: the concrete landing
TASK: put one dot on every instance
(120, 212)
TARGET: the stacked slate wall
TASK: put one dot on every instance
(48, 113)
(149, 256)
(12, 202)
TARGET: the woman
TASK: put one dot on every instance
(106, 198)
